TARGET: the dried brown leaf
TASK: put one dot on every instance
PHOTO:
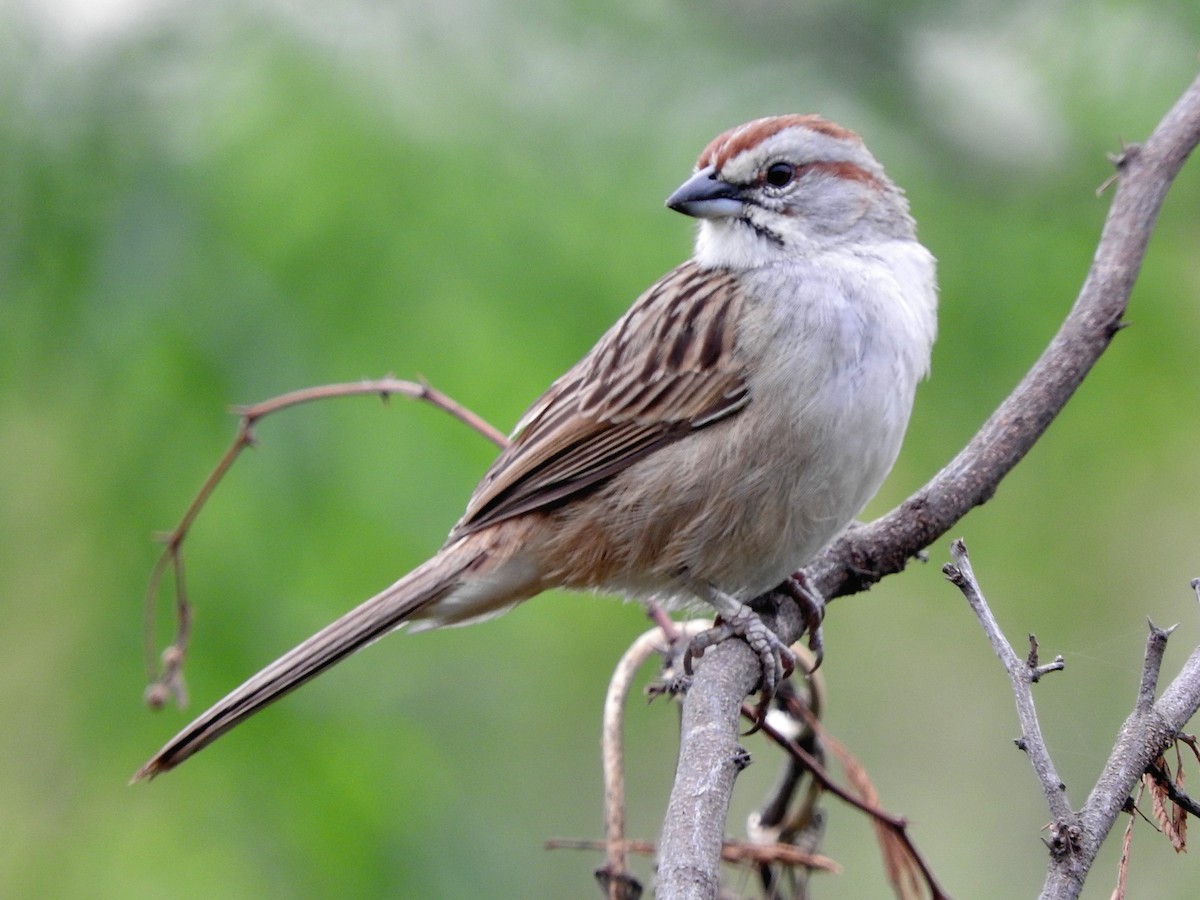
(1171, 819)
(1123, 866)
(1179, 816)
(1158, 799)
(902, 869)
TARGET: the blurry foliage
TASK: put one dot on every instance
(207, 204)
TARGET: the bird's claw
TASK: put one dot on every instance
(812, 608)
(777, 659)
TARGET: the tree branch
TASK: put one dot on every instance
(1022, 674)
(689, 852)
(709, 756)
(165, 674)
(1147, 732)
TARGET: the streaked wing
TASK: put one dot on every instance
(664, 370)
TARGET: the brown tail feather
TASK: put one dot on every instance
(365, 623)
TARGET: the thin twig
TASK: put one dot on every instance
(820, 775)
(1178, 797)
(168, 680)
(1156, 646)
(781, 818)
(1021, 676)
(614, 876)
(796, 713)
(897, 825)
(1037, 671)
(733, 852)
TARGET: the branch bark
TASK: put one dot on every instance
(864, 555)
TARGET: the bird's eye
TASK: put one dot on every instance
(780, 174)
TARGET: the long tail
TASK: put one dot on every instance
(405, 599)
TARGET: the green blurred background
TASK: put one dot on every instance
(209, 204)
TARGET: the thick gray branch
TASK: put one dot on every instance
(689, 850)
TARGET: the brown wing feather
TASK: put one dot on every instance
(664, 370)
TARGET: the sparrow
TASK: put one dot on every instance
(733, 421)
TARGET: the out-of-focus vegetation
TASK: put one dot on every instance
(207, 204)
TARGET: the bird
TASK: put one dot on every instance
(733, 421)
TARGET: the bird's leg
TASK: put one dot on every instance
(736, 619)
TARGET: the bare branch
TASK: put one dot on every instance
(709, 761)
(1020, 674)
(1145, 735)
(733, 852)
(1156, 646)
(167, 681)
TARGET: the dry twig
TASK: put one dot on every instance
(165, 673)
(1021, 673)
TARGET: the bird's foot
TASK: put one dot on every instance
(776, 658)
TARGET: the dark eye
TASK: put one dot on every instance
(780, 174)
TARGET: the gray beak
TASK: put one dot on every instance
(705, 196)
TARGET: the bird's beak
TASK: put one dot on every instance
(705, 196)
